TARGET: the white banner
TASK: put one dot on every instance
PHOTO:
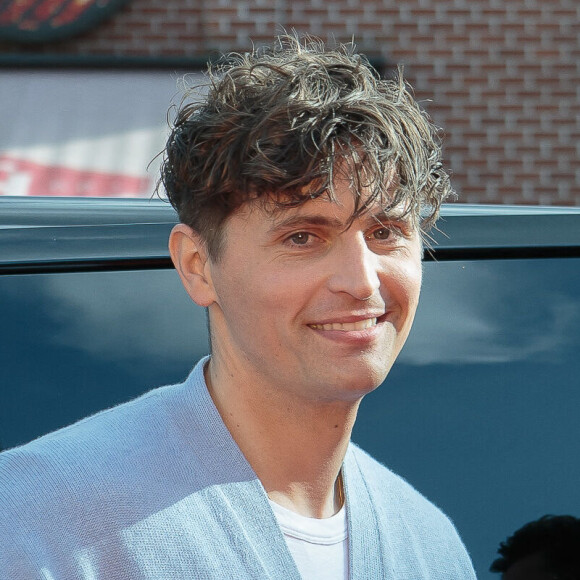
(83, 133)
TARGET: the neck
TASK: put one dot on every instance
(296, 447)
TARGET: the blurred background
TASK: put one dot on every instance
(85, 85)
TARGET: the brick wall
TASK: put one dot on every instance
(501, 77)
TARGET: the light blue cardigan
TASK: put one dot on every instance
(158, 489)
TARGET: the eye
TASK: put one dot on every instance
(300, 238)
(382, 233)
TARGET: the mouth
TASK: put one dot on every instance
(346, 326)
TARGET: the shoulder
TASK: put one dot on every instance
(117, 478)
(58, 462)
(408, 519)
(111, 450)
(95, 477)
(393, 494)
(144, 420)
(84, 436)
(385, 485)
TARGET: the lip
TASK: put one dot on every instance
(344, 326)
(357, 339)
(360, 329)
(351, 318)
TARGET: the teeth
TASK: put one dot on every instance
(360, 325)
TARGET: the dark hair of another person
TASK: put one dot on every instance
(282, 122)
(556, 538)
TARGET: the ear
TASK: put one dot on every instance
(191, 261)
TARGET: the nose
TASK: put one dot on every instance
(354, 269)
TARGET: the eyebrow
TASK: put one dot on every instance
(306, 220)
(381, 217)
(384, 216)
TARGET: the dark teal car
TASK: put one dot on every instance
(481, 412)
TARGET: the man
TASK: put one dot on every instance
(302, 182)
(545, 549)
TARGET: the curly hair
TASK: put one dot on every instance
(281, 122)
(556, 538)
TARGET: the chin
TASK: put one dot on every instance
(362, 383)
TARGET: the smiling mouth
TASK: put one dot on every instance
(346, 326)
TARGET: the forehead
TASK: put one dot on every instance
(340, 207)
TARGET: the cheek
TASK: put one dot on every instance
(249, 295)
(402, 287)
(416, 280)
(408, 281)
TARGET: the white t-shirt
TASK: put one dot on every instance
(319, 546)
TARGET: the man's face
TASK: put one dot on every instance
(307, 303)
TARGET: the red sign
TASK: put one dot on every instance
(22, 177)
(46, 20)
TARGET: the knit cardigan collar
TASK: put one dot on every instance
(244, 492)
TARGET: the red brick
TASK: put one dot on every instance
(451, 13)
(385, 11)
(314, 12)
